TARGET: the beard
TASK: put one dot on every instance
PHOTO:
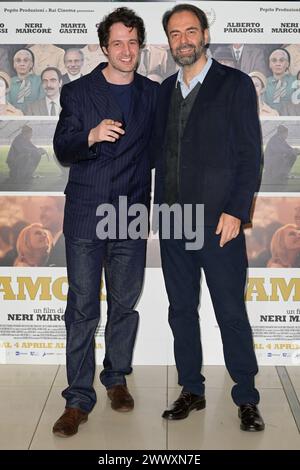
(196, 53)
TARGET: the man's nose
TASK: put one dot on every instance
(126, 49)
(183, 38)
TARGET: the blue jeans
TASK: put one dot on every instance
(124, 263)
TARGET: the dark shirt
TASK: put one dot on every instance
(122, 95)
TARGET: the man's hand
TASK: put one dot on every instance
(229, 227)
(108, 130)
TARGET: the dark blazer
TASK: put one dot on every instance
(252, 59)
(37, 108)
(220, 159)
(103, 172)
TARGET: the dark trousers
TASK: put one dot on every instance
(225, 272)
(124, 263)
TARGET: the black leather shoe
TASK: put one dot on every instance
(185, 403)
(251, 419)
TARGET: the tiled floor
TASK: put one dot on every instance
(30, 402)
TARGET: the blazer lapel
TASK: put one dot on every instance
(211, 85)
(164, 101)
(207, 93)
(101, 97)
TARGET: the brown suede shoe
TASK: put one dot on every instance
(67, 424)
(121, 400)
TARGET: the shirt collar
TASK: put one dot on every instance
(275, 80)
(55, 100)
(20, 80)
(198, 78)
(74, 77)
(240, 50)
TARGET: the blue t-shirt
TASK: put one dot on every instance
(122, 95)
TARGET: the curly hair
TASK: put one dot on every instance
(128, 18)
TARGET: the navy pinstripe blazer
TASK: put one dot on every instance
(105, 171)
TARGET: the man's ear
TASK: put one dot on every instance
(104, 50)
(206, 36)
